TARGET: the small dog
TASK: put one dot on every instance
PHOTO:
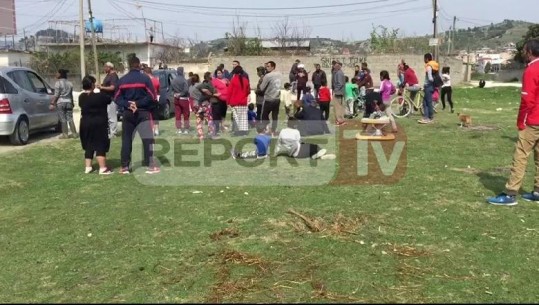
(465, 120)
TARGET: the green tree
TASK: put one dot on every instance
(533, 32)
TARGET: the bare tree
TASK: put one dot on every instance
(300, 35)
(283, 32)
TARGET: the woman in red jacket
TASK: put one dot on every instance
(219, 107)
(239, 90)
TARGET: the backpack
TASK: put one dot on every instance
(438, 81)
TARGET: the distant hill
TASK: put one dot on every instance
(490, 36)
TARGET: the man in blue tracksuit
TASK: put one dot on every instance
(136, 95)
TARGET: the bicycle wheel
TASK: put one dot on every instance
(400, 106)
(420, 97)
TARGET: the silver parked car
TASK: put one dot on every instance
(24, 104)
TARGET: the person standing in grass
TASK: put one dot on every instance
(324, 100)
(182, 104)
(431, 68)
(109, 87)
(446, 89)
(136, 94)
(351, 93)
(528, 135)
(94, 128)
(63, 102)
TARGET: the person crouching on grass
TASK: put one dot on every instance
(528, 134)
(262, 142)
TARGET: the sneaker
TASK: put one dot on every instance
(234, 154)
(319, 154)
(125, 171)
(153, 170)
(88, 170)
(156, 133)
(503, 199)
(63, 136)
(105, 171)
(186, 131)
(179, 131)
(533, 197)
(74, 135)
(423, 121)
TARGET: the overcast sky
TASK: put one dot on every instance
(343, 20)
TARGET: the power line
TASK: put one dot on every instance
(209, 12)
(47, 16)
(260, 8)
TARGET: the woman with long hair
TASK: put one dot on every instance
(238, 97)
(94, 133)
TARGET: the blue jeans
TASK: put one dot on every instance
(428, 110)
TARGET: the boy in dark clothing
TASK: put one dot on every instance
(136, 94)
(251, 115)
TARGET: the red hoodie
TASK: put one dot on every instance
(237, 93)
(529, 101)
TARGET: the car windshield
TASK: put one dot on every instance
(162, 75)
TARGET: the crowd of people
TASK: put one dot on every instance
(306, 101)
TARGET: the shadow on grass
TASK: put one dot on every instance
(512, 139)
(494, 183)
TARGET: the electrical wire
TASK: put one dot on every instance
(257, 8)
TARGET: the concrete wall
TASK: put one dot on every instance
(15, 59)
(376, 64)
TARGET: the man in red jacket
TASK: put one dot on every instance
(528, 135)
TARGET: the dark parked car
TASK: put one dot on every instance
(165, 96)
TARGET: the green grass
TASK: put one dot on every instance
(429, 238)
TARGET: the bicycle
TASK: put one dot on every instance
(402, 105)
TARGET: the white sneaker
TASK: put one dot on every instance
(179, 131)
(105, 171)
(156, 133)
(186, 131)
(319, 154)
(88, 170)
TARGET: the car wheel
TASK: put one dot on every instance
(165, 113)
(21, 134)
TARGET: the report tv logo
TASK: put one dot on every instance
(186, 161)
(369, 162)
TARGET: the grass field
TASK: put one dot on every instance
(70, 237)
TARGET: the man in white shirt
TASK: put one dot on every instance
(289, 144)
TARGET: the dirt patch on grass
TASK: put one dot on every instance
(408, 251)
(337, 225)
(227, 287)
(225, 233)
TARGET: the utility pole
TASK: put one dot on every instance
(435, 22)
(454, 32)
(94, 42)
(449, 41)
(81, 39)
